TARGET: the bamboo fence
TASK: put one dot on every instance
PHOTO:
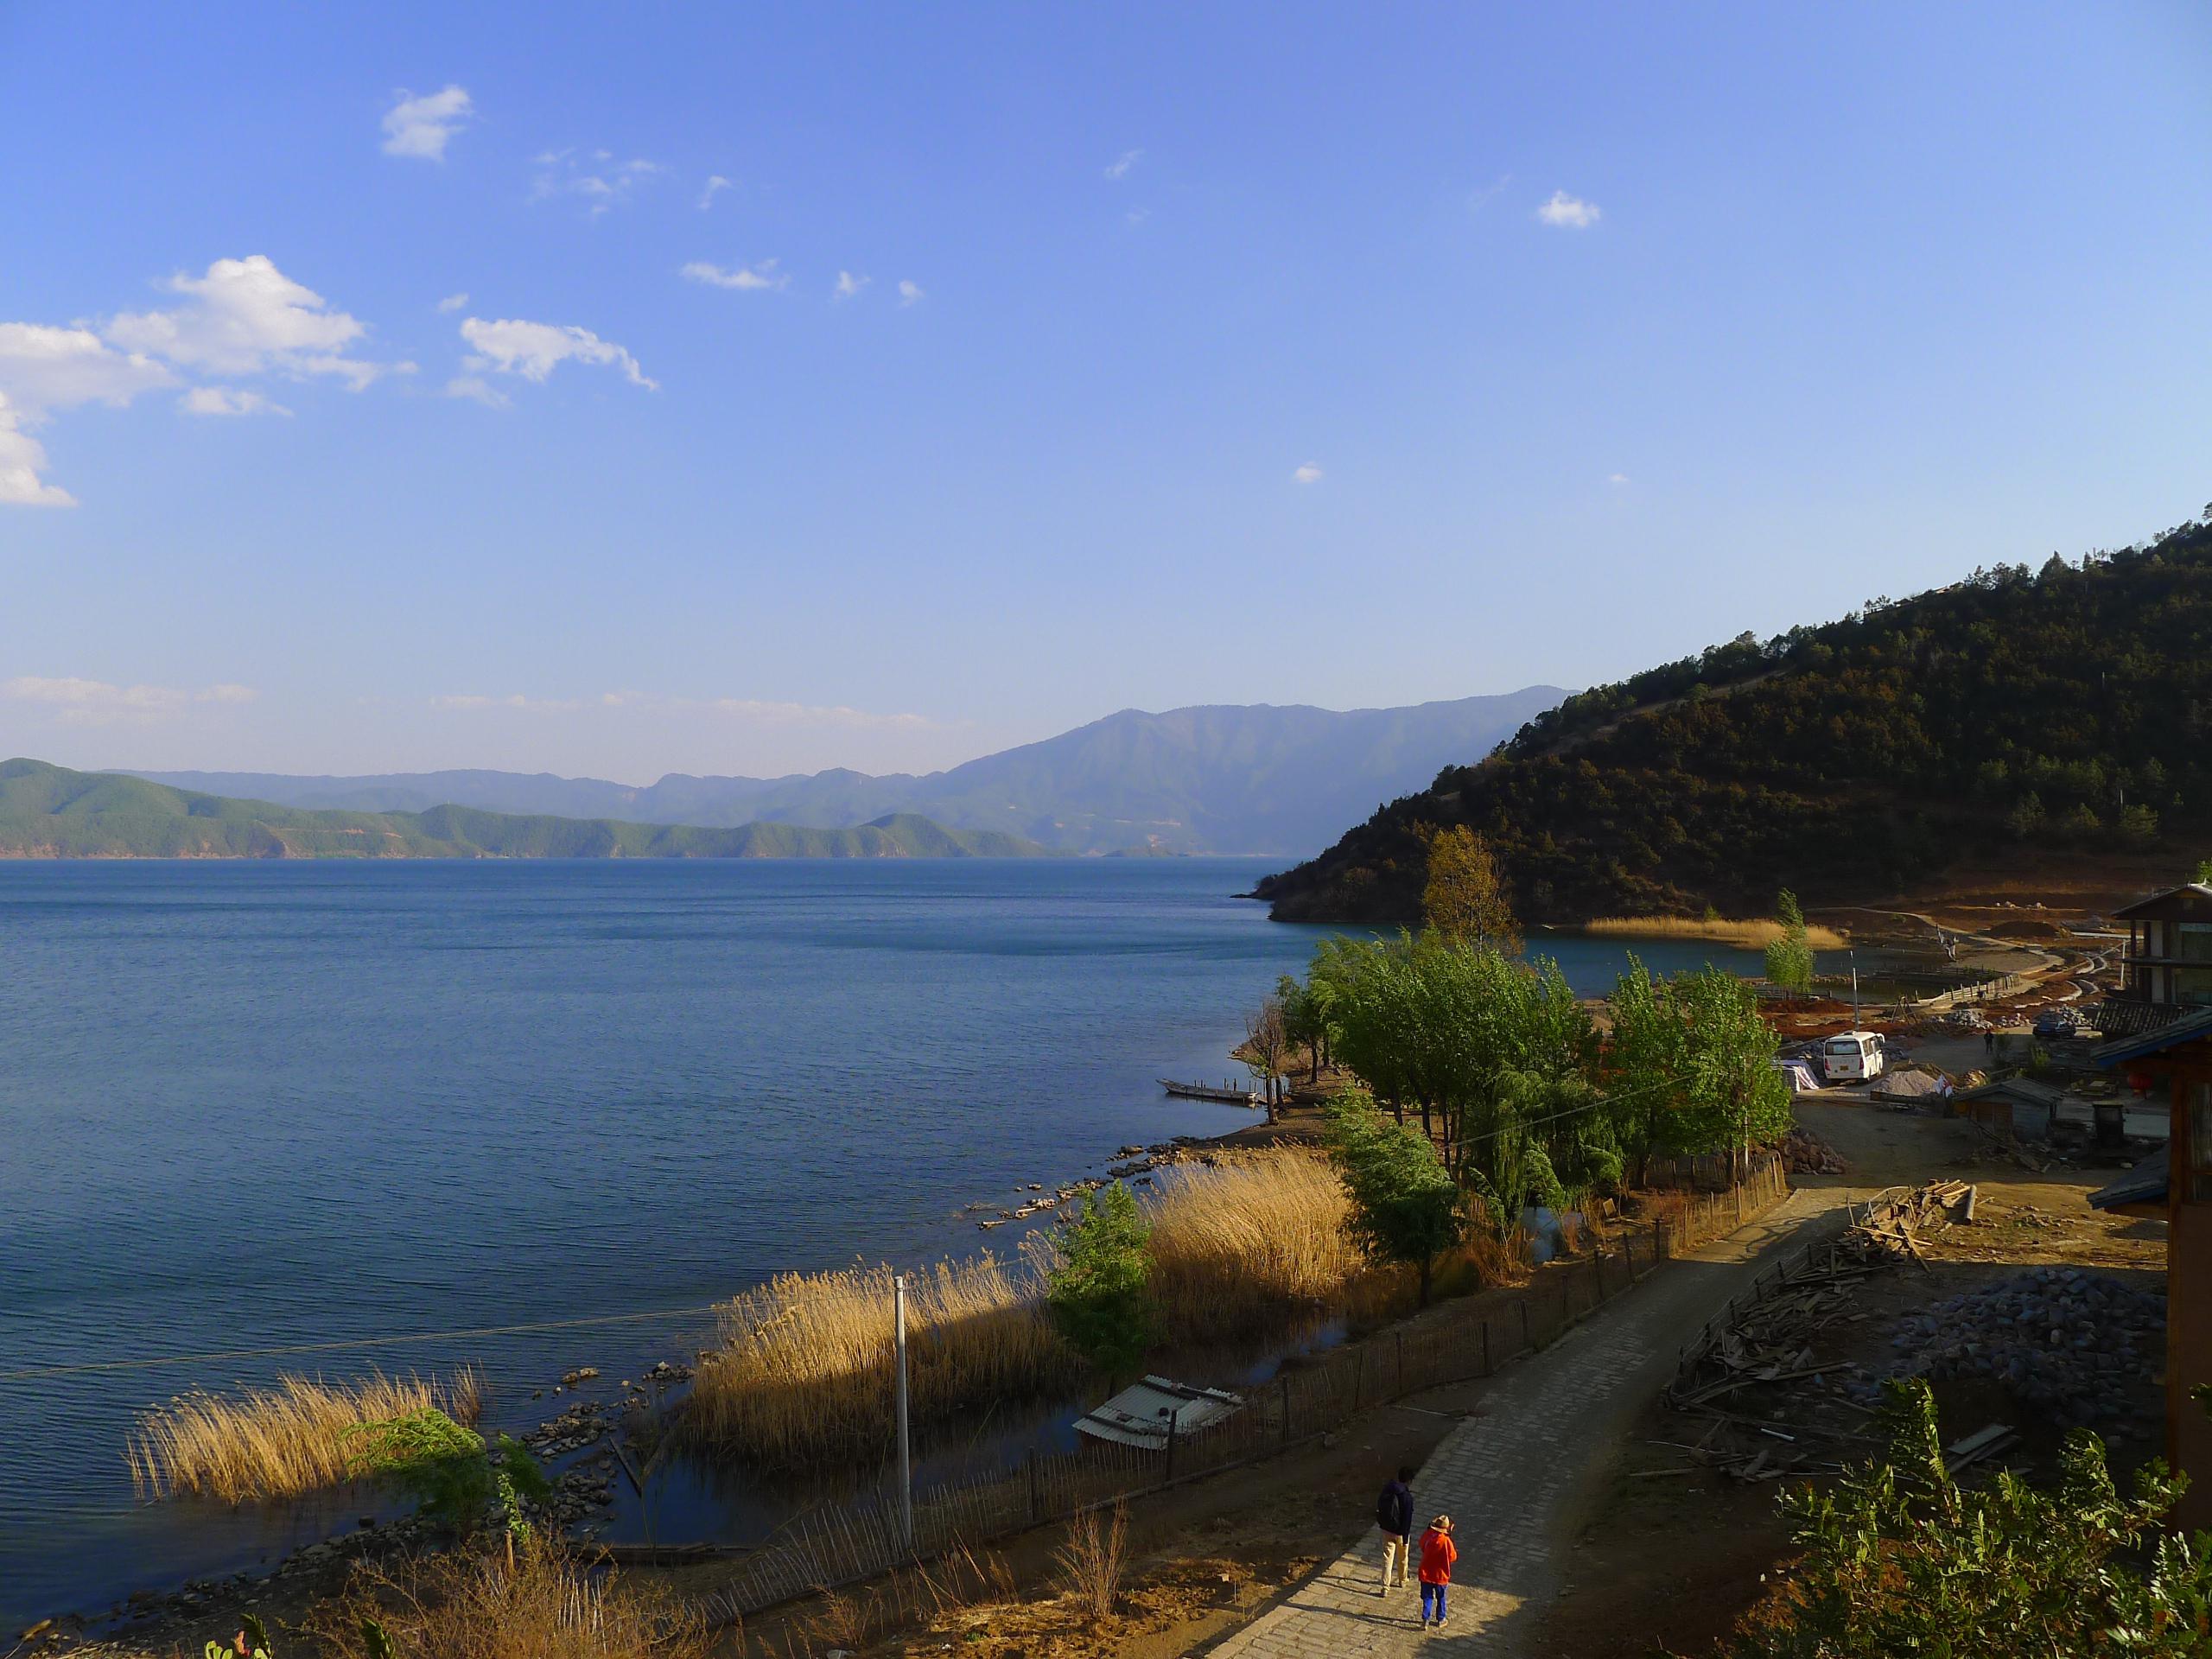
(834, 1545)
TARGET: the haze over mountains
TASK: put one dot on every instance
(1222, 778)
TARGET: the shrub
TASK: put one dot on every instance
(1099, 1288)
(1902, 1559)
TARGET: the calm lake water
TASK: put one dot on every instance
(252, 1105)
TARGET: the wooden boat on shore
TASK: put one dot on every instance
(1228, 1094)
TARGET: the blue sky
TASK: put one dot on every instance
(360, 413)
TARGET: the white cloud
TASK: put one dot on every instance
(453, 303)
(715, 186)
(910, 293)
(1309, 473)
(598, 178)
(1617, 478)
(477, 387)
(247, 317)
(780, 713)
(533, 349)
(44, 368)
(468, 703)
(847, 285)
(763, 275)
(1120, 166)
(98, 702)
(223, 400)
(1569, 213)
(422, 127)
(1478, 199)
(21, 459)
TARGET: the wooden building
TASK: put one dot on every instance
(2179, 1055)
(2167, 963)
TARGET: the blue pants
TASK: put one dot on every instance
(1432, 1594)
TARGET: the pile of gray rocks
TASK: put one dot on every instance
(2075, 1344)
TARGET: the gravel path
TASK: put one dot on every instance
(1511, 1477)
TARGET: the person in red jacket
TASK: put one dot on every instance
(1438, 1552)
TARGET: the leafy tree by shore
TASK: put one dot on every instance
(1465, 899)
(1098, 1289)
(1406, 1208)
(1790, 958)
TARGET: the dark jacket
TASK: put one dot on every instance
(1394, 1510)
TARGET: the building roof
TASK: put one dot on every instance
(1139, 1415)
(2191, 895)
(2172, 1035)
(2026, 1090)
(2145, 1184)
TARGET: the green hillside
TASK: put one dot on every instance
(50, 812)
(2015, 718)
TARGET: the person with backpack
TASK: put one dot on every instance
(1393, 1513)
(1438, 1553)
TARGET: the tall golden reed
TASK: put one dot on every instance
(803, 1372)
(1243, 1246)
(280, 1441)
(1751, 934)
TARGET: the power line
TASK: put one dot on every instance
(37, 1372)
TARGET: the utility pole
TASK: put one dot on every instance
(906, 1456)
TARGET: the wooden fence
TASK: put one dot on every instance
(834, 1545)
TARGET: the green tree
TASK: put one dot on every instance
(1099, 1288)
(456, 1481)
(1405, 1207)
(2203, 877)
(1790, 958)
(1691, 1066)
(1304, 1021)
(1901, 1559)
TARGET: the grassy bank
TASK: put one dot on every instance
(803, 1376)
(1753, 933)
(278, 1442)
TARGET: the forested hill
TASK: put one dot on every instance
(2016, 716)
(51, 812)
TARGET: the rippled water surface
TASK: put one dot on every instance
(249, 1105)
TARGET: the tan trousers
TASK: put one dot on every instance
(1394, 1552)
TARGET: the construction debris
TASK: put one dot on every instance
(1893, 1225)
(1805, 1154)
(2076, 1344)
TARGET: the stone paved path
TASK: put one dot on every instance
(1509, 1476)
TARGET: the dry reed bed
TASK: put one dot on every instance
(472, 1606)
(1751, 934)
(281, 1441)
(803, 1372)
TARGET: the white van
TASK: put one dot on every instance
(1851, 1057)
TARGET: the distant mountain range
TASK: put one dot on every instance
(50, 812)
(1223, 779)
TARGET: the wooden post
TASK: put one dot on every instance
(1597, 1271)
(1528, 1341)
(1285, 1409)
(1036, 1497)
(1170, 1480)
(1658, 1240)
(1401, 1364)
(1359, 1375)
(1486, 1366)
